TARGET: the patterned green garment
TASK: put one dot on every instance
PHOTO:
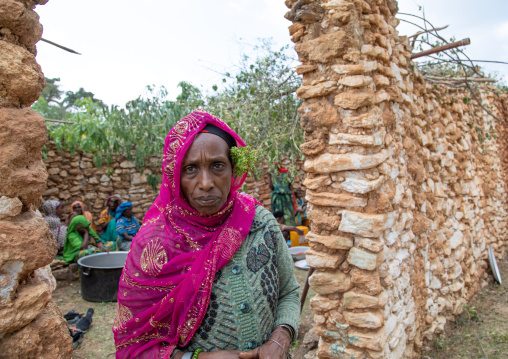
(252, 294)
(73, 241)
(282, 198)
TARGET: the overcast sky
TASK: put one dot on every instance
(129, 44)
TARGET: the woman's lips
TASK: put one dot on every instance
(207, 200)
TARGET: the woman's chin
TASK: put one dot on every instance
(207, 207)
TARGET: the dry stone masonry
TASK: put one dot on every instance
(404, 195)
(31, 325)
(75, 178)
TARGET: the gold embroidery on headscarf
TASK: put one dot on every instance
(186, 329)
(133, 283)
(153, 257)
(157, 324)
(142, 338)
(123, 315)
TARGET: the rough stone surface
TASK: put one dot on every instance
(9, 207)
(30, 301)
(325, 47)
(93, 186)
(322, 260)
(48, 337)
(366, 225)
(371, 320)
(328, 163)
(355, 300)
(23, 24)
(321, 89)
(434, 187)
(27, 230)
(363, 259)
(22, 172)
(22, 80)
(333, 242)
(30, 325)
(335, 200)
(317, 113)
(330, 282)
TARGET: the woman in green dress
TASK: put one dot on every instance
(81, 240)
(282, 195)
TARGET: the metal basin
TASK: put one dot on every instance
(100, 275)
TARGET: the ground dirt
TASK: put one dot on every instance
(480, 332)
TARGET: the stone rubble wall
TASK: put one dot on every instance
(403, 198)
(74, 177)
(31, 325)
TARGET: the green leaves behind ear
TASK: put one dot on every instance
(244, 159)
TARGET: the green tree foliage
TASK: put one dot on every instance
(52, 106)
(137, 131)
(258, 102)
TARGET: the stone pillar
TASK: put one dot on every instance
(404, 186)
(31, 325)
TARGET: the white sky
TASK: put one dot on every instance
(129, 44)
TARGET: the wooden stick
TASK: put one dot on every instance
(437, 49)
(305, 289)
(472, 79)
(60, 46)
(429, 30)
(59, 121)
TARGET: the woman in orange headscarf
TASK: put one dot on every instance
(78, 208)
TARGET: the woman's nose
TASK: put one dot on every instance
(205, 180)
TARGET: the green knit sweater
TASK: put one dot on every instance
(253, 294)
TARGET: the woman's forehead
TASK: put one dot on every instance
(206, 145)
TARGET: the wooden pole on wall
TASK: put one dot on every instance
(437, 49)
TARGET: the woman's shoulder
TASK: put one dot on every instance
(262, 218)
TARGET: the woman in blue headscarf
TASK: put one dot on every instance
(126, 225)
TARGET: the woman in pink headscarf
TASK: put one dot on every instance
(208, 274)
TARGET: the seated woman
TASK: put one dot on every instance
(279, 216)
(209, 274)
(78, 208)
(52, 213)
(107, 219)
(301, 209)
(81, 240)
(126, 225)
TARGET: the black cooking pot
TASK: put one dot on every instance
(100, 275)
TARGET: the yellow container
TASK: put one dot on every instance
(295, 238)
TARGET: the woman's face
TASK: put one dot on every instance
(59, 212)
(77, 209)
(81, 229)
(128, 212)
(206, 173)
(113, 204)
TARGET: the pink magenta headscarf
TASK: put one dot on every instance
(167, 280)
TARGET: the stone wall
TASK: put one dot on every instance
(404, 199)
(31, 325)
(74, 177)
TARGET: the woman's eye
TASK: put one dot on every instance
(190, 169)
(218, 165)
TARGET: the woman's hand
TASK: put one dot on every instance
(102, 248)
(84, 245)
(294, 229)
(221, 354)
(104, 226)
(270, 350)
